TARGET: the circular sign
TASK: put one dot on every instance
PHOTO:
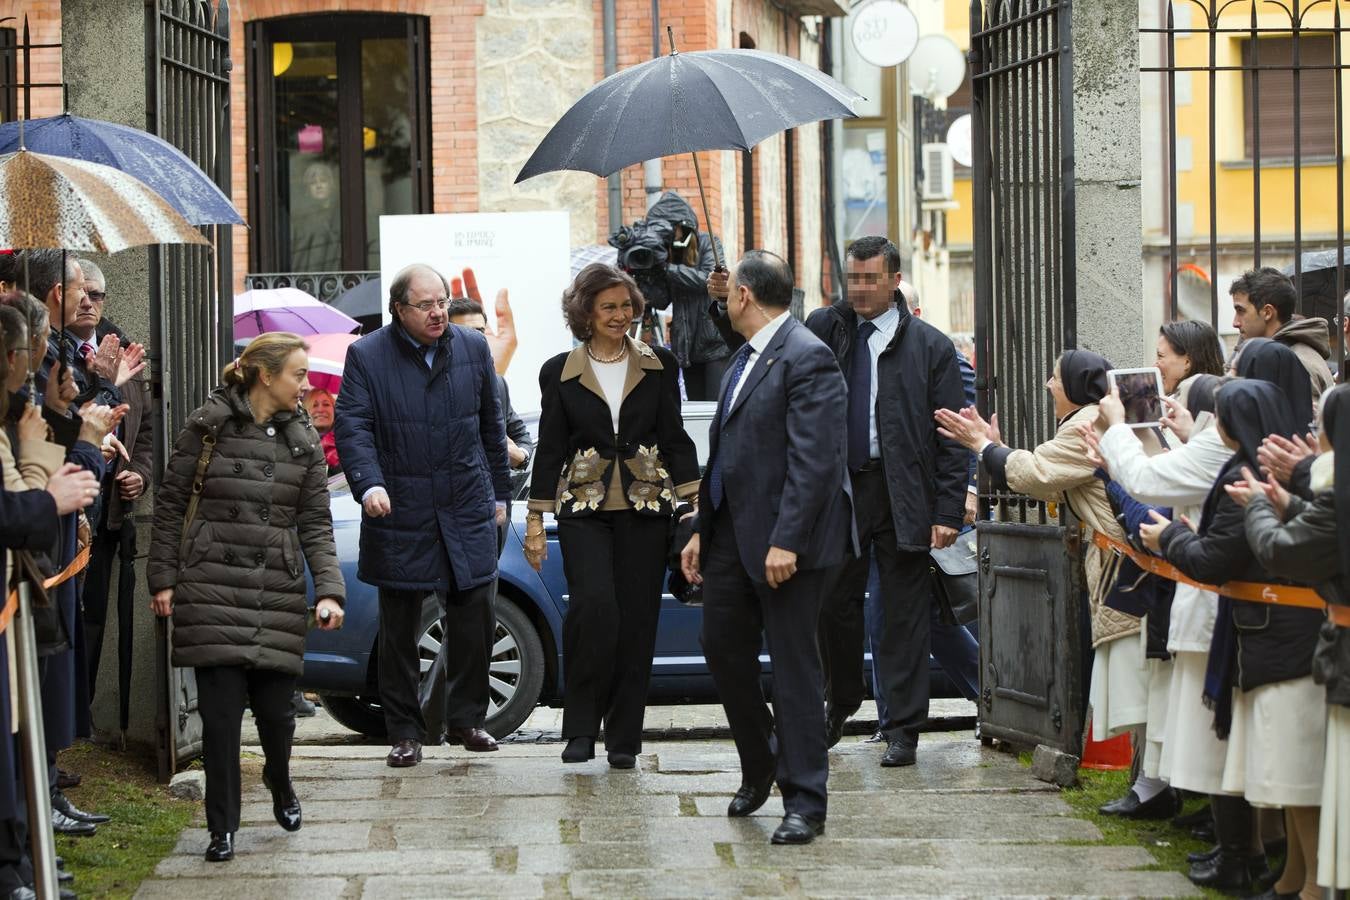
(936, 67)
(885, 32)
(958, 140)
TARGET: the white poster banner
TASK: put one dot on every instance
(524, 254)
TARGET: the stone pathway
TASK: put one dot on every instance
(518, 823)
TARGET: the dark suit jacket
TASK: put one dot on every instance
(516, 429)
(578, 449)
(781, 449)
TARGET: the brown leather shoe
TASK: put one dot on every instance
(475, 739)
(405, 753)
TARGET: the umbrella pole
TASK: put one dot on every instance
(707, 219)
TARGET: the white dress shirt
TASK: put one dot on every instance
(758, 344)
(886, 323)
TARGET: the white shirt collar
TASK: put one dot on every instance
(760, 342)
(886, 323)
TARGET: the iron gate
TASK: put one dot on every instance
(1031, 642)
(188, 103)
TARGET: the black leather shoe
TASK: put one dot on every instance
(797, 829)
(579, 749)
(1163, 805)
(900, 752)
(65, 893)
(64, 824)
(221, 848)
(1225, 872)
(405, 753)
(619, 760)
(834, 726)
(1202, 816)
(62, 802)
(21, 892)
(1203, 856)
(749, 797)
(66, 780)
(285, 805)
(879, 737)
(64, 877)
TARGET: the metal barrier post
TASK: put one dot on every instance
(34, 750)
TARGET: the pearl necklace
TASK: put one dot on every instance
(623, 351)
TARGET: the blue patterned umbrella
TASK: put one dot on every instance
(148, 158)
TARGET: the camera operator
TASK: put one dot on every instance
(679, 278)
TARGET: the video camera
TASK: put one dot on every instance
(643, 245)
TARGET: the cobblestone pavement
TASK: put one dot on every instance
(966, 821)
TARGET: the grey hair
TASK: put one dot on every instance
(398, 288)
(91, 271)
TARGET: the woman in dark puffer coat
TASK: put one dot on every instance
(226, 563)
(1308, 540)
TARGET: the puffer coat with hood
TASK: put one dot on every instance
(1310, 339)
(238, 574)
(696, 339)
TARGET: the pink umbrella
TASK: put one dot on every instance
(286, 309)
(327, 356)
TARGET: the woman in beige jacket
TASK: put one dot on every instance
(1061, 470)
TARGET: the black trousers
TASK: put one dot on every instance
(615, 564)
(740, 613)
(222, 693)
(702, 380)
(901, 654)
(110, 547)
(469, 623)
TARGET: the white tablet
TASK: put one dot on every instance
(1141, 391)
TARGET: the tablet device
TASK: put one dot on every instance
(1141, 392)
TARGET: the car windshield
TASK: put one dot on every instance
(697, 421)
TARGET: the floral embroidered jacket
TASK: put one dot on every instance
(581, 466)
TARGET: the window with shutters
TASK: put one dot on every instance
(1268, 97)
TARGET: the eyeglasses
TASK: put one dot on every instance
(97, 296)
(427, 306)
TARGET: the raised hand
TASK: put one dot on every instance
(1177, 419)
(502, 342)
(132, 364)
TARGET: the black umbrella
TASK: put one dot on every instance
(685, 102)
(365, 299)
(1317, 281)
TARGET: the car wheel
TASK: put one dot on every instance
(515, 673)
(360, 714)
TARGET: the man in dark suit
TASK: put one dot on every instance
(910, 485)
(775, 519)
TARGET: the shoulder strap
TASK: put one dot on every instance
(198, 482)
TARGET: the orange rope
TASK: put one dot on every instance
(1252, 592)
(12, 601)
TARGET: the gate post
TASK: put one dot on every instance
(1107, 170)
(104, 67)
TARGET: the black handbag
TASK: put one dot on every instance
(956, 580)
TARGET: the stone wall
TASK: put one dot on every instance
(535, 58)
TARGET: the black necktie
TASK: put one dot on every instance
(860, 400)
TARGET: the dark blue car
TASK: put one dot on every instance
(527, 663)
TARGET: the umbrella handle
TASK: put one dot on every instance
(707, 219)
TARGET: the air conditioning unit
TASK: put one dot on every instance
(937, 172)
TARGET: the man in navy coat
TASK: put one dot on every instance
(419, 428)
(775, 519)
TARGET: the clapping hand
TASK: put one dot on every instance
(63, 392)
(1094, 447)
(1242, 492)
(1278, 455)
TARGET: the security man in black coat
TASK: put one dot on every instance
(909, 485)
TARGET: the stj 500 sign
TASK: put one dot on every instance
(885, 32)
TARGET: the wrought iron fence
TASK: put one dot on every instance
(326, 286)
(1023, 216)
(1287, 59)
(189, 106)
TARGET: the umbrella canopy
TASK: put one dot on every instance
(705, 100)
(327, 356)
(56, 203)
(147, 157)
(592, 253)
(1317, 284)
(286, 309)
(365, 299)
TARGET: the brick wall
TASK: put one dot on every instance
(44, 22)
